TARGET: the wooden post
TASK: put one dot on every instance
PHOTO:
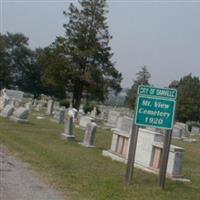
(131, 154)
(164, 159)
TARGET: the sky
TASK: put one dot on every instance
(163, 35)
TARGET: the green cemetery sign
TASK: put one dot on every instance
(155, 107)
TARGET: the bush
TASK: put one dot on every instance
(64, 103)
(88, 107)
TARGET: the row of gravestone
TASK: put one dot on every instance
(114, 118)
(90, 132)
(19, 114)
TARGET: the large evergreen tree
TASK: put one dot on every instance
(188, 100)
(142, 78)
(87, 52)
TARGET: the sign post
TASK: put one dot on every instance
(164, 159)
(131, 154)
(156, 108)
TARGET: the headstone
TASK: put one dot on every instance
(50, 107)
(113, 118)
(124, 124)
(104, 115)
(94, 113)
(14, 94)
(20, 115)
(3, 102)
(195, 130)
(178, 130)
(28, 106)
(68, 132)
(17, 104)
(73, 112)
(38, 107)
(58, 115)
(89, 137)
(81, 111)
(35, 103)
(148, 152)
(7, 111)
(84, 120)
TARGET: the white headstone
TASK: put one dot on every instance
(15, 95)
(124, 124)
(50, 107)
(28, 106)
(195, 130)
(113, 118)
(7, 111)
(3, 102)
(90, 132)
(94, 112)
(20, 115)
(68, 132)
(84, 120)
(58, 115)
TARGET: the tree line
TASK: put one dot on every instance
(80, 62)
(188, 98)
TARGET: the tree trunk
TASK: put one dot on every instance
(77, 94)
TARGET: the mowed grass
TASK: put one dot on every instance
(83, 173)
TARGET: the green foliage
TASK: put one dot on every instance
(65, 103)
(89, 106)
(81, 61)
(18, 66)
(142, 78)
(5, 69)
(188, 101)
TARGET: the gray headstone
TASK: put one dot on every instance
(3, 102)
(73, 112)
(84, 120)
(7, 111)
(38, 107)
(28, 106)
(20, 115)
(124, 124)
(177, 132)
(195, 130)
(50, 107)
(90, 132)
(81, 111)
(35, 102)
(58, 115)
(15, 95)
(68, 132)
(94, 112)
(113, 118)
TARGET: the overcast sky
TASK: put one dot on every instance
(163, 35)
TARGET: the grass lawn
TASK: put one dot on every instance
(83, 173)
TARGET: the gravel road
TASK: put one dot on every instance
(17, 182)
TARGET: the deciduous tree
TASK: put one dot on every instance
(188, 100)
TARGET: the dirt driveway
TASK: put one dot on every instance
(19, 183)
